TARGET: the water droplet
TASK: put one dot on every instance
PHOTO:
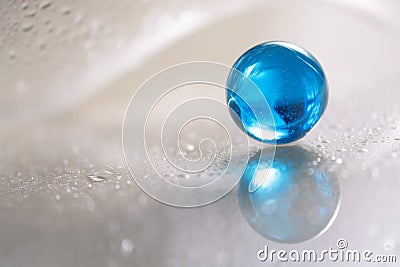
(30, 13)
(66, 11)
(45, 4)
(58, 197)
(363, 150)
(27, 27)
(117, 186)
(339, 161)
(389, 244)
(96, 178)
(90, 185)
(127, 246)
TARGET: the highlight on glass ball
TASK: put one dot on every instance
(294, 86)
(286, 201)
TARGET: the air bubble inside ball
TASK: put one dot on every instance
(293, 84)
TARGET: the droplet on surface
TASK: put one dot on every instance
(389, 244)
(45, 4)
(30, 13)
(96, 178)
(127, 246)
(66, 11)
(27, 27)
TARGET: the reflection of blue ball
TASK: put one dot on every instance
(289, 203)
(292, 82)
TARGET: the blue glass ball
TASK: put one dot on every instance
(283, 201)
(293, 84)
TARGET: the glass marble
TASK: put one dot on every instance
(286, 201)
(293, 84)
